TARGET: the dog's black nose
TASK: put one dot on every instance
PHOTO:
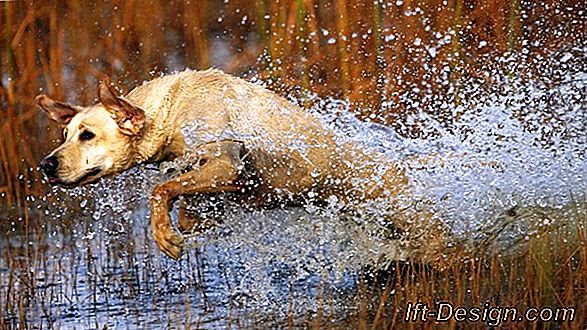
(50, 165)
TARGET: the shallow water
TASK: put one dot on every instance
(517, 156)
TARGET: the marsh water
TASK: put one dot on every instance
(515, 158)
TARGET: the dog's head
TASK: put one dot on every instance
(98, 139)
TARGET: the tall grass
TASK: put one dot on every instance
(545, 270)
(372, 53)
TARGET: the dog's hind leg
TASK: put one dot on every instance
(218, 170)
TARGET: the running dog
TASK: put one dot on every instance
(249, 142)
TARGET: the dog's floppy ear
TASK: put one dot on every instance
(57, 111)
(129, 118)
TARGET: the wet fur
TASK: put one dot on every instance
(249, 141)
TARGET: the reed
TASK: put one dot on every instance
(364, 51)
(371, 53)
(546, 271)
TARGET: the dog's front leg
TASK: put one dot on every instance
(218, 171)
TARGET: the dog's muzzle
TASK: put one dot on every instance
(49, 165)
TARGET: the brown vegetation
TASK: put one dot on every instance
(365, 51)
(369, 52)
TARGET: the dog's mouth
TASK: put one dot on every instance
(87, 177)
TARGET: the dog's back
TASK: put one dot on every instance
(290, 148)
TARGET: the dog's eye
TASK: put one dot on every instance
(65, 134)
(86, 135)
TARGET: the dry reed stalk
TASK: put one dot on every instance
(289, 42)
(513, 24)
(301, 43)
(341, 38)
(276, 23)
(382, 302)
(261, 22)
(41, 41)
(6, 177)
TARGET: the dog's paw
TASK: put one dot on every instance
(170, 242)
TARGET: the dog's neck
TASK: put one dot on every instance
(156, 143)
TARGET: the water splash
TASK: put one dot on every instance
(498, 165)
(515, 156)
